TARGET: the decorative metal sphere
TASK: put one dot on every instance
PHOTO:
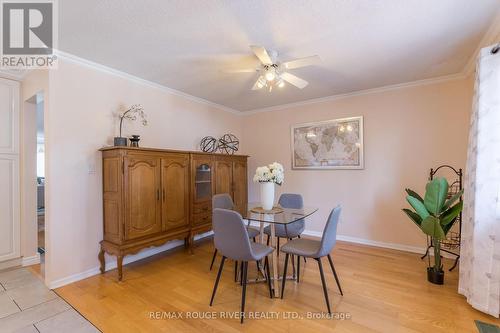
(208, 144)
(228, 144)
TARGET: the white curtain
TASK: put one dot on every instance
(480, 249)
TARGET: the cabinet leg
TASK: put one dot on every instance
(102, 261)
(119, 262)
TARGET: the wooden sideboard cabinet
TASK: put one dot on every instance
(151, 196)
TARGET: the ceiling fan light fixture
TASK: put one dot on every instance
(270, 75)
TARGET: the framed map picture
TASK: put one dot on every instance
(330, 144)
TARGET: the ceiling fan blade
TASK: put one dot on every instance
(296, 81)
(257, 85)
(245, 70)
(262, 54)
(301, 62)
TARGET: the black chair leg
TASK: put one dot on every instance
(268, 276)
(325, 291)
(284, 276)
(267, 243)
(298, 269)
(335, 274)
(254, 240)
(213, 259)
(304, 257)
(217, 280)
(244, 290)
(241, 273)
(235, 271)
(278, 247)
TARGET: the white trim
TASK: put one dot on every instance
(385, 245)
(84, 62)
(10, 263)
(440, 79)
(128, 259)
(16, 75)
(32, 260)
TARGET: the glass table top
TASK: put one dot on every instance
(288, 215)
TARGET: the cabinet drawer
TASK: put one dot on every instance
(202, 218)
(203, 208)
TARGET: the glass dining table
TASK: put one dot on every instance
(277, 216)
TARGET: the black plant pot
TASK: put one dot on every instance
(120, 142)
(435, 277)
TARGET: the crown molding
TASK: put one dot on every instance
(457, 76)
(102, 68)
(491, 36)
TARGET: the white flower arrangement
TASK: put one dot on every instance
(270, 173)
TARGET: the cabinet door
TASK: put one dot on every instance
(9, 208)
(175, 191)
(201, 170)
(142, 196)
(240, 179)
(224, 176)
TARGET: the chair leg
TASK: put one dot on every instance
(298, 269)
(217, 280)
(241, 273)
(267, 243)
(254, 240)
(244, 290)
(268, 276)
(278, 247)
(325, 291)
(235, 271)
(284, 276)
(213, 259)
(335, 274)
(298, 236)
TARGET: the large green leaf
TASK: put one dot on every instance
(451, 200)
(413, 216)
(414, 194)
(450, 214)
(435, 195)
(431, 227)
(418, 206)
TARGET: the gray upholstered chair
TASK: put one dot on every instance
(231, 240)
(292, 230)
(224, 201)
(315, 249)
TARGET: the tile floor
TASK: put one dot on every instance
(27, 305)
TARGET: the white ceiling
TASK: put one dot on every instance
(184, 44)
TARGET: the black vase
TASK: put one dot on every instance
(134, 141)
(120, 142)
(435, 277)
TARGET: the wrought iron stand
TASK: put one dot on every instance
(451, 244)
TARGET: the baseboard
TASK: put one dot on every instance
(32, 260)
(111, 264)
(393, 246)
(10, 263)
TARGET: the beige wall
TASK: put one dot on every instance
(406, 132)
(80, 121)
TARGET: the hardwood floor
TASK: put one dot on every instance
(384, 291)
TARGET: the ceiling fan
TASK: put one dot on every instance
(274, 73)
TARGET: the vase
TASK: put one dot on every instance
(120, 142)
(267, 195)
(134, 141)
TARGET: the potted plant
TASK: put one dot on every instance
(130, 114)
(267, 176)
(435, 214)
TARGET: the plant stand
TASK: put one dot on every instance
(451, 244)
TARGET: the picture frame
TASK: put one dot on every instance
(328, 145)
